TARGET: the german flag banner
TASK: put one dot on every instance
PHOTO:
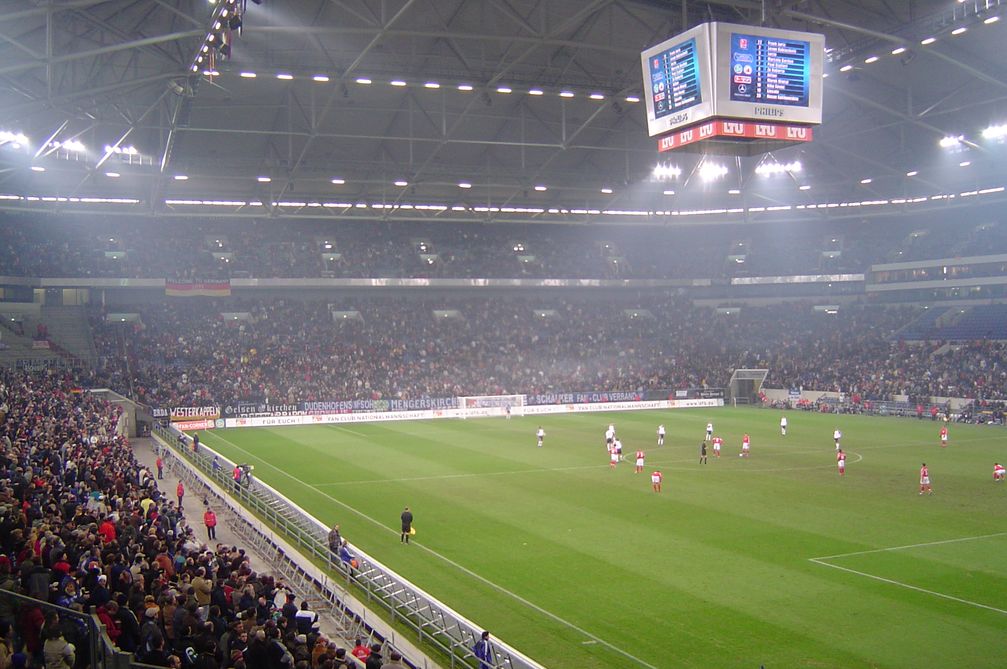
(197, 288)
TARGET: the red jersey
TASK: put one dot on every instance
(639, 455)
(717, 442)
(841, 458)
(745, 439)
(924, 473)
(656, 477)
(180, 490)
(944, 433)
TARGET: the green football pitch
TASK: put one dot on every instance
(770, 560)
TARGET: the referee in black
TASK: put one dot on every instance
(702, 453)
(407, 525)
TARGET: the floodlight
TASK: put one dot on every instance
(846, 68)
(465, 87)
(632, 98)
(667, 171)
(959, 30)
(536, 91)
(805, 187)
(928, 41)
(995, 132)
(464, 184)
(566, 94)
(364, 81)
(339, 182)
(248, 75)
(113, 175)
(734, 191)
(401, 183)
(606, 191)
(990, 20)
(911, 173)
(712, 171)
(181, 177)
(951, 141)
(597, 96)
(320, 78)
(397, 82)
(284, 76)
(871, 59)
(504, 89)
(263, 180)
(37, 168)
(431, 84)
(866, 181)
(899, 50)
(541, 188)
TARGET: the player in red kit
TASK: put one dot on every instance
(925, 480)
(746, 445)
(944, 435)
(999, 471)
(717, 443)
(655, 480)
(841, 462)
(639, 462)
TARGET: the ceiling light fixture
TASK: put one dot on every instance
(566, 94)
(181, 177)
(320, 78)
(536, 91)
(263, 180)
(899, 50)
(959, 30)
(871, 59)
(465, 88)
(606, 191)
(866, 181)
(928, 41)
(431, 84)
(911, 173)
(596, 96)
(632, 98)
(504, 89)
(541, 189)
(397, 82)
(464, 184)
(339, 182)
(37, 168)
(990, 20)
(248, 75)
(401, 183)
(364, 81)
(284, 76)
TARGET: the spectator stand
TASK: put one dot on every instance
(297, 544)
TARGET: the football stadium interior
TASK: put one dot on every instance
(369, 280)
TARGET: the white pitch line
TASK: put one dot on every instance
(909, 587)
(908, 546)
(465, 570)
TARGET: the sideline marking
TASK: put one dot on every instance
(934, 593)
(463, 569)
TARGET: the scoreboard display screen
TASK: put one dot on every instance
(675, 79)
(729, 71)
(770, 70)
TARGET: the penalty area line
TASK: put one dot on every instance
(447, 560)
(900, 584)
(909, 546)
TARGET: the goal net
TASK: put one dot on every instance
(491, 405)
(745, 385)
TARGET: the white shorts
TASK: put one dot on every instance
(842, 464)
(925, 480)
(716, 447)
(639, 462)
(615, 457)
(944, 437)
(745, 447)
(655, 480)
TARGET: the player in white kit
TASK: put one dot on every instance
(660, 435)
(783, 426)
(837, 435)
(709, 431)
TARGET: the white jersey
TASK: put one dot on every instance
(837, 435)
(709, 428)
(618, 446)
(610, 433)
(660, 430)
(783, 422)
(540, 433)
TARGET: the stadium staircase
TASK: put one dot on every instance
(344, 622)
(18, 350)
(70, 333)
(988, 321)
(922, 327)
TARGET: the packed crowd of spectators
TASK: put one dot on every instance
(221, 249)
(83, 524)
(287, 351)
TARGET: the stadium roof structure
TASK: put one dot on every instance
(523, 110)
